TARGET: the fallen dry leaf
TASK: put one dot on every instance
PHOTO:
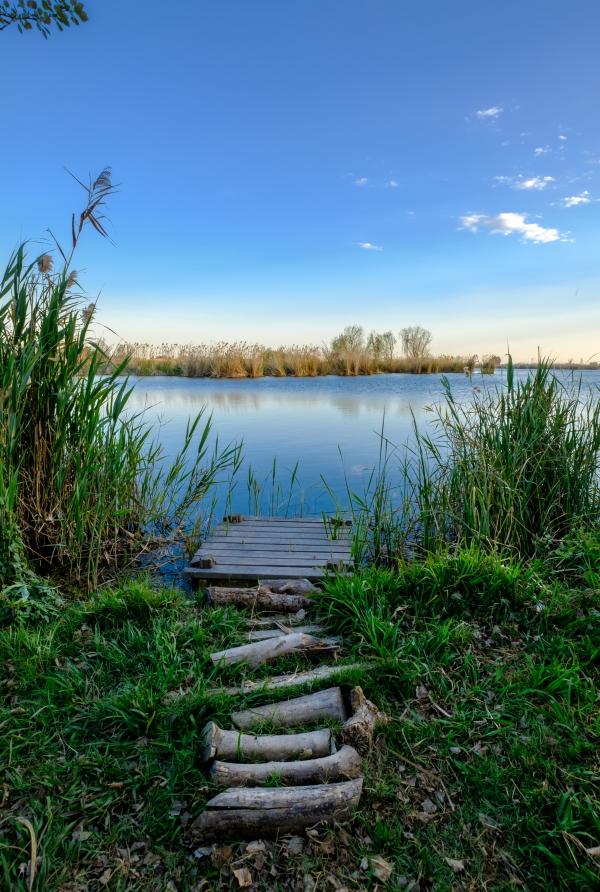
(106, 876)
(18, 711)
(381, 868)
(256, 846)
(243, 876)
(171, 887)
(295, 846)
(456, 865)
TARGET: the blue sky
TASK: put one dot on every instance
(290, 168)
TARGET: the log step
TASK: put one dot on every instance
(343, 765)
(264, 634)
(257, 599)
(259, 812)
(260, 652)
(293, 679)
(233, 746)
(307, 710)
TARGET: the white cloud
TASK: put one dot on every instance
(572, 202)
(534, 183)
(543, 151)
(369, 246)
(488, 113)
(361, 182)
(509, 223)
(521, 183)
(562, 137)
(392, 183)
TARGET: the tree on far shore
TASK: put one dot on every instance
(415, 341)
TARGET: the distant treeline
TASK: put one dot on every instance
(350, 353)
(576, 366)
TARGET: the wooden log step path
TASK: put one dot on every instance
(246, 548)
(318, 783)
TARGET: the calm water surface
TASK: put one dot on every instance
(304, 420)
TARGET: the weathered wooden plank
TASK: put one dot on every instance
(289, 525)
(270, 538)
(269, 519)
(224, 545)
(240, 530)
(244, 560)
(233, 571)
(304, 529)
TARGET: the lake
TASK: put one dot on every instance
(308, 421)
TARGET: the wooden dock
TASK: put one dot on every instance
(256, 548)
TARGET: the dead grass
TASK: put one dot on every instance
(242, 360)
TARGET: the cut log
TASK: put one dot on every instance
(307, 710)
(277, 633)
(257, 599)
(344, 765)
(233, 746)
(289, 586)
(286, 681)
(286, 619)
(359, 728)
(266, 651)
(256, 813)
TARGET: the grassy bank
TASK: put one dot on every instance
(240, 360)
(488, 670)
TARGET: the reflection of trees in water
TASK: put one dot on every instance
(239, 403)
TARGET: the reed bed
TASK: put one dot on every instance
(81, 480)
(515, 471)
(242, 360)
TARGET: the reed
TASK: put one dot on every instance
(81, 482)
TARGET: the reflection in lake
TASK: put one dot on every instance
(304, 420)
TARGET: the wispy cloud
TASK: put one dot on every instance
(543, 151)
(392, 183)
(562, 137)
(521, 183)
(506, 224)
(362, 181)
(485, 113)
(369, 246)
(572, 202)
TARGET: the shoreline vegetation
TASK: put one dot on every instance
(242, 360)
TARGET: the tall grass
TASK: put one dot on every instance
(242, 360)
(80, 480)
(515, 470)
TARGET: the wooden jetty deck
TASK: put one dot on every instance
(256, 548)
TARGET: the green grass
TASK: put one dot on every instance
(494, 725)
